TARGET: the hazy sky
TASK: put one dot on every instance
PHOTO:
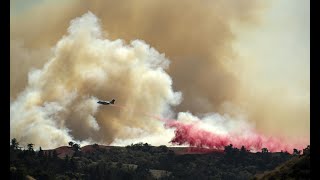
(243, 58)
(277, 54)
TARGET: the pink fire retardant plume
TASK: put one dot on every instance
(191, 134)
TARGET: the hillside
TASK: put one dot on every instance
(296, 168)
(63, 151)
(142, 161)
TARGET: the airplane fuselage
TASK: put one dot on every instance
(106, 102)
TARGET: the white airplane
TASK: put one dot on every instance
(106, 102)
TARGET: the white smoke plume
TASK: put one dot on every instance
(237, 52)
(59, 103)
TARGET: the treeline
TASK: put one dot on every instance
(142, 161)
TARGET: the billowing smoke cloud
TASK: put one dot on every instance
(197, 36)
(59, 103)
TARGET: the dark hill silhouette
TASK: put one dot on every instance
(143, 161)
(63, 151)
(295, 168)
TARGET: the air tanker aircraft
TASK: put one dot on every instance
(106, 102)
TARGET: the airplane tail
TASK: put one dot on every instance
(112, 102)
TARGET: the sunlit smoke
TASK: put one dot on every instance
(59, 103)
(234, 51)
(56, 102)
